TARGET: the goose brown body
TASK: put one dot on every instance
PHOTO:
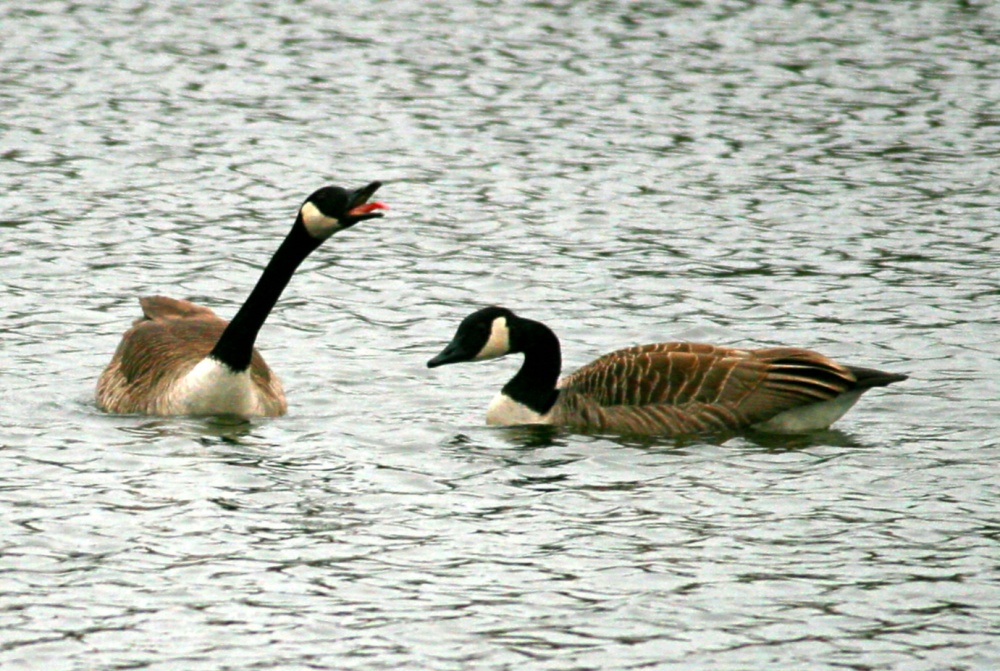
(673, 389)
(695, 388)
(161, 349)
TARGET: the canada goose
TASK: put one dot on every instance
(673, 389)
(182, 359)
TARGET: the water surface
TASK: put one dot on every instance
(811, 174)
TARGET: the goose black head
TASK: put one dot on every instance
(333, 209)
(485, 334)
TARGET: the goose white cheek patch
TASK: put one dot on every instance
(318, 224)
(499, 342)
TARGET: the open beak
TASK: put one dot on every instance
(360, 208)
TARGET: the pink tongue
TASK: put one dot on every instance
(367, 207)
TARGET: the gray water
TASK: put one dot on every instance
(819, 174)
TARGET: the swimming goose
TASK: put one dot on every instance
(182, 359)
(672, 389)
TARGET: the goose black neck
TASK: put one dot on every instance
(235, 345)
(535, 383)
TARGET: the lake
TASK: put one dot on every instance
(822, 175)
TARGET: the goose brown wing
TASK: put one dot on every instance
(157, 352)
(751, 384)
(583, 413)
(162, 307)
(165, 345)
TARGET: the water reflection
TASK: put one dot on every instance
(221, 429)
(828, 438)
(531, 436)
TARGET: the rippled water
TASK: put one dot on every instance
(814, 174)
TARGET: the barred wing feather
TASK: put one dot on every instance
(694, 387)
